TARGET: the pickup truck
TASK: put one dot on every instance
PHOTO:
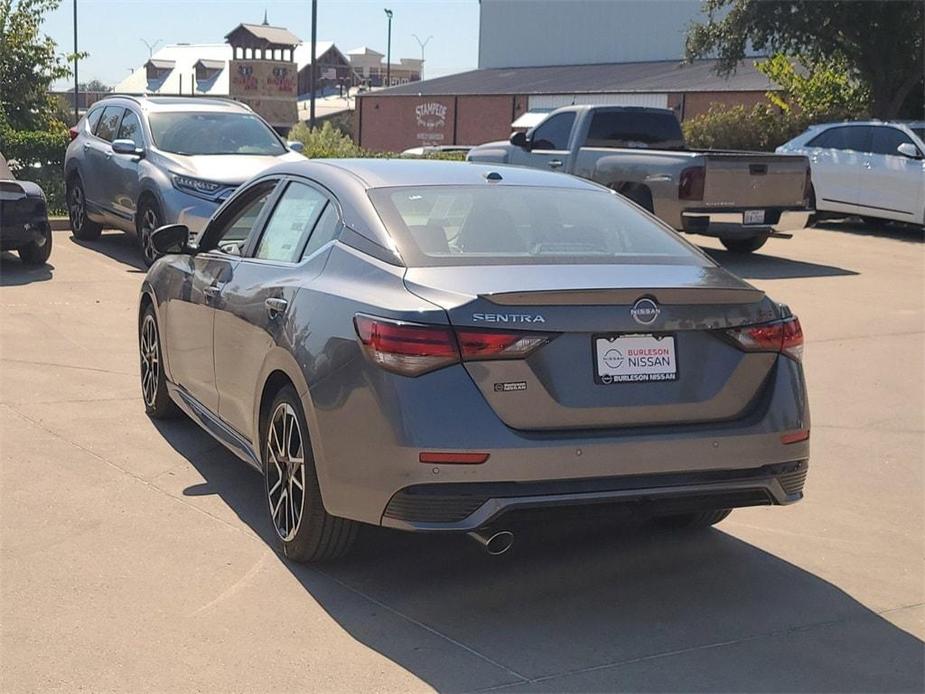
(743, 198)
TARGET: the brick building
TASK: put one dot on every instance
(474, 107)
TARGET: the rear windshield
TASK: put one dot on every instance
(213, 133)
(635, 130)
(521, 225)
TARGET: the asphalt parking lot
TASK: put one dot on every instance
(138, 556)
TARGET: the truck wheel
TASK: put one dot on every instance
(82, 227)
(641, 196)
(746, 245)
(37, 252)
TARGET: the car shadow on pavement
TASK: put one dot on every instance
(758, 266)
(586, 604)
(117, 245)
(13, 272)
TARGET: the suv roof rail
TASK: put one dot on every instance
(113, 95)
(137, 98)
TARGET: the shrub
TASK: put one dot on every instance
(38, 156)
(324, 142)
(761, 128)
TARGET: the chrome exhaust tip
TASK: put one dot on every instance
(495, 543)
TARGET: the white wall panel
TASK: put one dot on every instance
(543, 101)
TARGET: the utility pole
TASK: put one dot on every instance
(311, 75)
(422, 44)
(388, 52)
(76, 89)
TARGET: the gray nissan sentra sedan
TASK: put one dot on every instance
(434, 346)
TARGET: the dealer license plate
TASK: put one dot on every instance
(634, 358)
(754, 216)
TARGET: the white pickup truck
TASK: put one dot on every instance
(743, 198)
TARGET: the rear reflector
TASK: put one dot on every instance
(784, 336)
(795, 436)
(452, 458)
(413, 349)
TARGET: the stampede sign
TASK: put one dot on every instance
(430, 117)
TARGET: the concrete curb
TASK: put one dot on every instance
(60, 223)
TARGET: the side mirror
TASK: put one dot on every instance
(295, 146)
(907, 149)
(127, 147)
(173, 238)
(519, 139)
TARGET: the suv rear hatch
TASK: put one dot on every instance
(587, 311)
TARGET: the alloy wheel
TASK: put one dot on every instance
(149, 223)
(285, 476)
(76, 209)
(150, 360)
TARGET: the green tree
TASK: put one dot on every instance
(29, 64)
(879, 43)
(826, 92)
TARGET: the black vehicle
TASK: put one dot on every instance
(24, 223)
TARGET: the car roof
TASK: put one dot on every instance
(152, 104)
(386, 173)
(833, 124)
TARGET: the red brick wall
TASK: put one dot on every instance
(482, 119)
(696, 103)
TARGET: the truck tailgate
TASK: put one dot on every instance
(746, 180)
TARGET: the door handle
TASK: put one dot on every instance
(276, 306)
(213, 290)
(109, 155)
(86, 145)
(554, 163)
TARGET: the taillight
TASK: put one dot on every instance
(690, 185)
(413, 349)
(784, 336)
(406, 348)
(73, 132)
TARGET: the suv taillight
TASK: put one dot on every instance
(690, 184)
(783, 336)
(412, 349)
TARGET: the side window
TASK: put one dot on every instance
(131, 129)
(886, 140)
(109, 123)
(290, 223)
(325, 229)
(230, 231)
(93, 118)
(554, 132)
(822, 140)
(858, 138)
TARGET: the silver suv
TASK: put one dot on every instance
(137, 163)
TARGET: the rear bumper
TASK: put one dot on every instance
(732, 223)
(467, 506)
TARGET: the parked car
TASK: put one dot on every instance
(430, 346)
(137, 163)
(741, 197)
(421, 152)
(873, 169)
(24, 223)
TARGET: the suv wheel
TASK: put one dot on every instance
(306, 530)
(147, 219)
(82, 227)
(37, 252)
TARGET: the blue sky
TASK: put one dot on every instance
(111, 30)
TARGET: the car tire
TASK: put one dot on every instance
(702, 519)
(814, 216)
(82, 227)
(158, 404)
(147, 219)
(744, 245)
(306, 531)
(37, 252)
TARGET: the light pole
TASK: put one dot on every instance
(388, 52)
(422, 44)
(311, 74)
(76, 89)
(150, 46)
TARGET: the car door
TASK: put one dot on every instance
(123, 179)
(97, 160)
(892, 184)
(549, 144)
(836, 159)
(253, 314)
(190, 315)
